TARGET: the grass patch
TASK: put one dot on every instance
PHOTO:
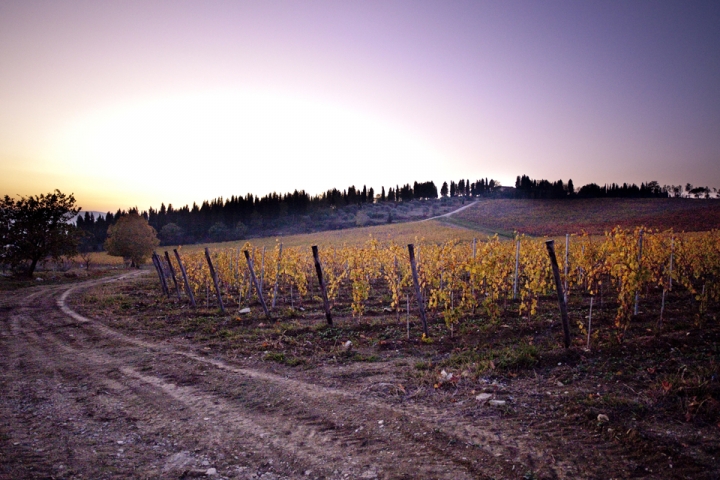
(510, 358)
(283, 359)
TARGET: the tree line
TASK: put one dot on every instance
(525, 187)
(35, 228)
(224, 219)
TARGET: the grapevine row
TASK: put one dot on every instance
(458, 279)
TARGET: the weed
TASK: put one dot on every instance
(280, 357)
(423, 365)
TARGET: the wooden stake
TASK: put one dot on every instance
(277, 276)
(472, 285)
(172, 274)
(262, 269)
(418, 293)
(672, 255)
(662, 308)
(637, 293)
(407, 317)
(318, 270)
(550, 244)
(258, 289)
(517, 267)
(397, 274)
(161, 275)
(589, 323)
(188, 290)
(567, 259)
(215, 279)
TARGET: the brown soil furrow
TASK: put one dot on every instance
(313, 439)
(76, 387)
(479, 436)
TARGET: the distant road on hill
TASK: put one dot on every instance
(450, 213)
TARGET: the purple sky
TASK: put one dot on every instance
(137, 103)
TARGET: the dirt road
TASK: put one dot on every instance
(457, 210)
(81, 400)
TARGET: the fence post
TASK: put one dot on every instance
(262, 269)
(257, 285)
(517, 268)
(418, 293)
(188, 290)
(567, 260)
(172, 274)
(277, 277)
(158, 267)
(672, 255)
(215, 279)
(637, 292)
(550, 244)
(318, 269)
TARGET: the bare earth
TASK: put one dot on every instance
(82, 400)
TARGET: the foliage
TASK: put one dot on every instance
(456, 278)
(131, 238)
(219, 232)
(36, 227)
(240, 230)
(171, 233)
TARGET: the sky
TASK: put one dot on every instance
(127, 103)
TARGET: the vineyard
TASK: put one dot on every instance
(458, 280)
(637, 391)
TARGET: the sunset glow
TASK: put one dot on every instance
(209, 142)
(138, 103)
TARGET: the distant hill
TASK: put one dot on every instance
(594, 216)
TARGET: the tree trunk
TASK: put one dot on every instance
(33, 264)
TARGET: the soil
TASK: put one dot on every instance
(108, 379)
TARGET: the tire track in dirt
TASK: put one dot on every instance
(317, 442)
(493, 437)
(43, 358)
(272, 382)
(441, 427)
(185, 408)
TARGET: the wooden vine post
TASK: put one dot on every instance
(418, 293)
(188, 290)
(277, 276)
(672, 255)
(215, 279)
(567, 263)
(323, 291)
(172, 274)
(262, 268)
(550, 244)
(161, 275)
(639, 259)
(517, 269)
(255, 281)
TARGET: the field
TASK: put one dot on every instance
(158, 389)
(594, 216)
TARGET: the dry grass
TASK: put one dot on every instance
(432, 231)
